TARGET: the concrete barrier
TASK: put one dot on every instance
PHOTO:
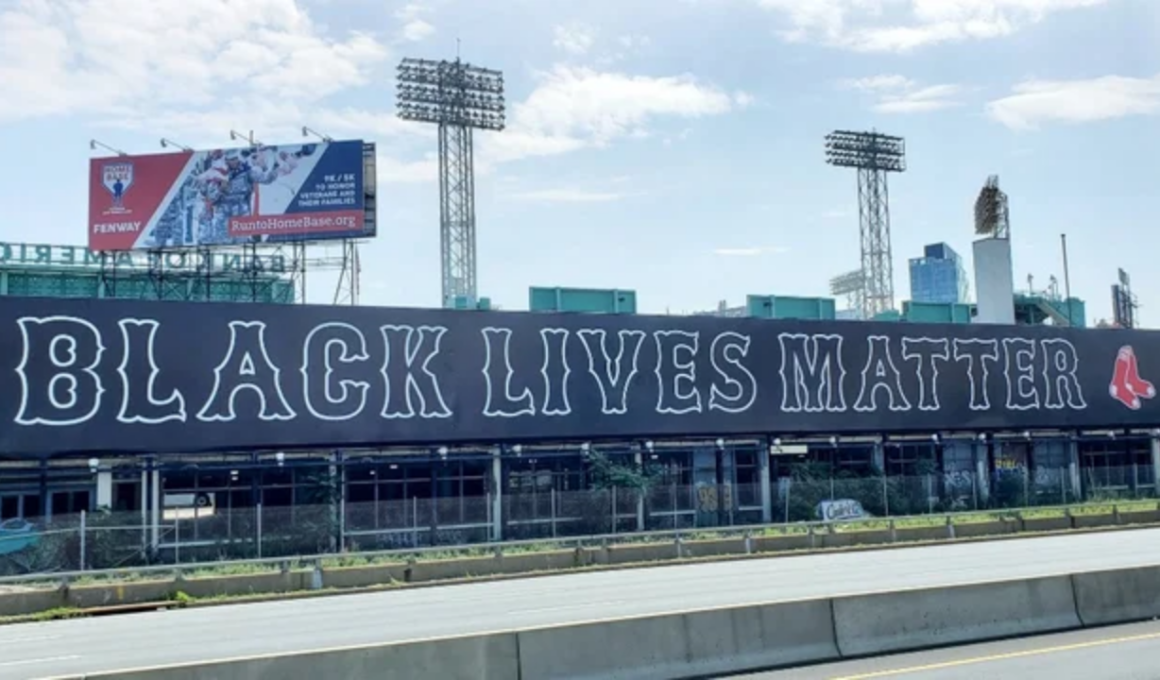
(695, 644)
(915, 619)
(1119, 596)
(479, 657)
(726, 640)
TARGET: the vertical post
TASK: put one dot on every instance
(639, 493)
(258, 523)
(155, 503)
(552, 503)
(1154, 445)
(84, 536)
(788, 491)
(144, 500)
(763, 471)
(177, 537)
(497, 495)
(1066, 278)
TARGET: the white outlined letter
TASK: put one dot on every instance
(1019, 370)
(1060, 364)
(497, 341)
(672, 370)
(556, 372)
(613, 377)
(978, 353)
(58, 375)
(929, 352)
(726, 354)
(407, 366)
(246, 367)
(813, 377)
(880, 373)
(329, 344)
(139, 338)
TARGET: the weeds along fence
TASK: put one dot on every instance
(110, 540)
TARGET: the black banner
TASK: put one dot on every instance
(124, 376)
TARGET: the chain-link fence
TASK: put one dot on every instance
(185, 535)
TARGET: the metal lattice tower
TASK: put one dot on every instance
(459, 98)
(873, 155)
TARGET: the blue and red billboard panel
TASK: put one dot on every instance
(296, 192)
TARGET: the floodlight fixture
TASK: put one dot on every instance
(992, 211)
(451, 93)
(873, 155)
(866, 150)
(235, 136)
(307, 132)
(94, 145)
(848, 283)
(166, 143)
(459, 98)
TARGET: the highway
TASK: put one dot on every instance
(1117, 653)
(46, 649)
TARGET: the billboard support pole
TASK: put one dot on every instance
(347, 290)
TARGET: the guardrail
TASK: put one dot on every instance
(752, 538)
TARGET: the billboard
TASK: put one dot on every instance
(82, 376)
(293, 192)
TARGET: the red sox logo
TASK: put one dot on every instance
(1127, 386)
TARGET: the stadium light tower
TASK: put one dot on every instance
(873, 155)
(459, 98)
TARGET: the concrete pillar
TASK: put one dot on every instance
(105, 489)
(766, 489)
(497, 495)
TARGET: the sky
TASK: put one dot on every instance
(671, 147)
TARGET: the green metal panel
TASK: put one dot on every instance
(62, 283)
(590, 300)
(786, 307)
(889, 315)
(931, 312)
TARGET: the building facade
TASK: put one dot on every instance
(508, 426)
(939, 276)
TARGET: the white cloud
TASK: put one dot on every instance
(417, 30)
(598, 107)
(898, 94)
(1076, 101)
(567, 195)
(574, 39)
(134, 60)
(904, 25)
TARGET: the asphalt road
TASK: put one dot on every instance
(1119, 653)
(87, 645)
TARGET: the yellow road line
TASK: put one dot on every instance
(1000, 657)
